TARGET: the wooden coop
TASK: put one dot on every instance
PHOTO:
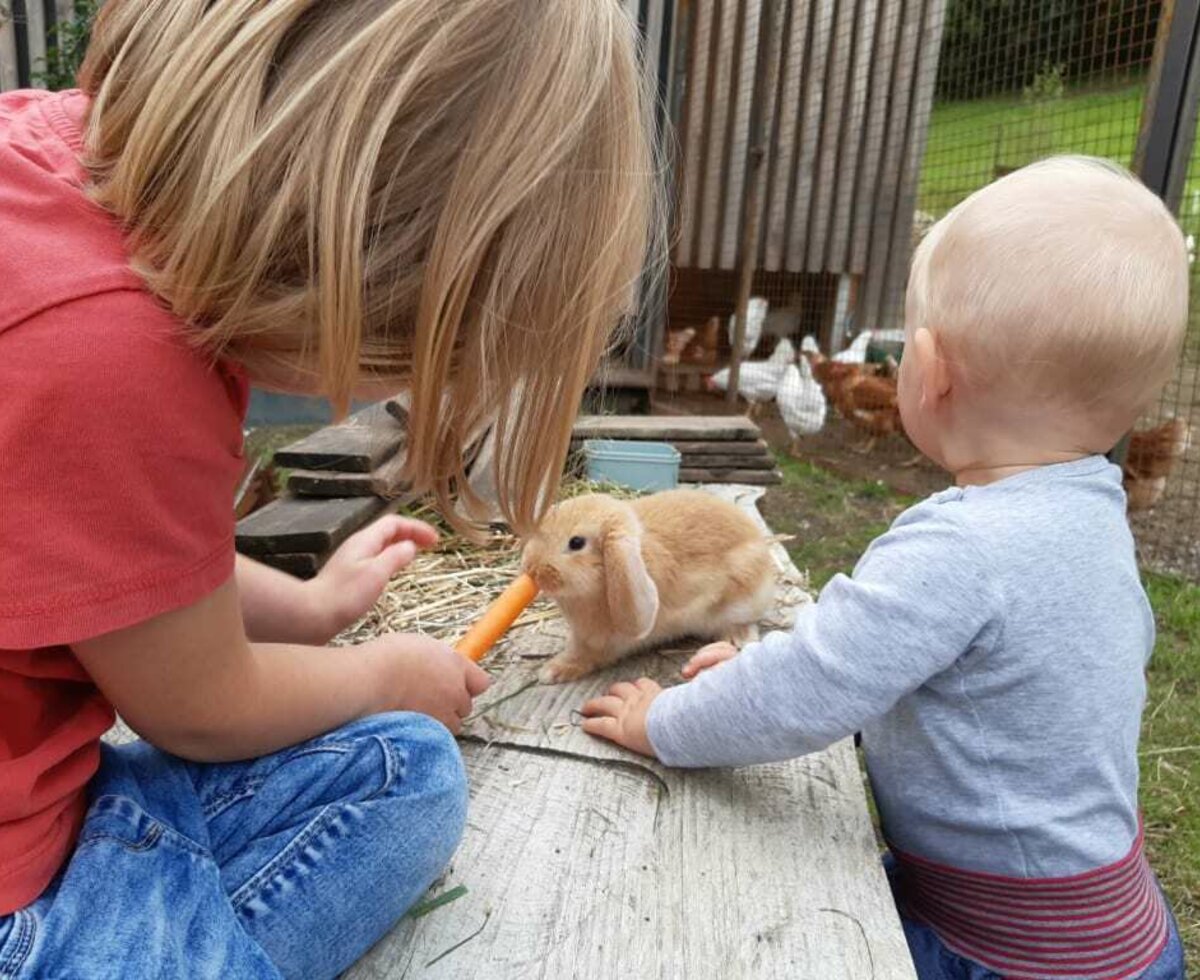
(800, 127)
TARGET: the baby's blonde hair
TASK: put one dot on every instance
(1064, 283)
(454, 195)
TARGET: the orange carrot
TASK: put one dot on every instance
(500, 615)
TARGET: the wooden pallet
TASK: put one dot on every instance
(714, 449)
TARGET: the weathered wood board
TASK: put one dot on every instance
(705, 428)
(294, 525)
(358, 445)
(726, 448)
(732, 461)
(758, 478)
(302, 566)
(585, 861)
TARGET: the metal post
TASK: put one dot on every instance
(755, 155)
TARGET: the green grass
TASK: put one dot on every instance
(968, 140)
(1170, 751)
(831, 518)
(835, 519)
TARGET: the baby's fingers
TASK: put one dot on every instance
(606, 727)
(709, 656)
(606, 706)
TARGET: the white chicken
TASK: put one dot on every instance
(801, 401)
(756, 316)
(758, 380)
(784, 353)
(856, 353)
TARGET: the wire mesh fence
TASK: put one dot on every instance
(877, 118)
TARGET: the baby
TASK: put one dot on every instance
(991, 645)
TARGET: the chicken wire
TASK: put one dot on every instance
(1016, 81)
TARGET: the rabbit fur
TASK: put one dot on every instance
(631, 574)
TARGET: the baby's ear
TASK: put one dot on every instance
(931, 364)
(631, 594)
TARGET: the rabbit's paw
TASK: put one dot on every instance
(565, 667)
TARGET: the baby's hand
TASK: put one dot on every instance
(418, 673)
(707, 657)
(359, 570)
(620, 716)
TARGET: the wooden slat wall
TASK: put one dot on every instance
(849, 93)
(38, 19)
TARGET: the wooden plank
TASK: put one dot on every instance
(891, 310)
(9, 78)
(757, 478)
(730, 462)
(35, 20)
(294, 525)
(691, 139)
(733, 144)
(710, 33)
(878, 102)
(833, 125)
(585, 861)
(809, 139)
(383, 481)
(891, 170)
(726, 448)
(330, 483)
(724, 22)
(358, 445)
(851, 152)
(301, 566)
(772, 200)
(799, 56)
(704, 428)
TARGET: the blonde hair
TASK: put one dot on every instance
(455, 195)
(1064, 282)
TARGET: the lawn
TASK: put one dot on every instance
(968, 140)
(834, 519)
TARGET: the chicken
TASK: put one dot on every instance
(756, 316)
(677, 341)
(702, 349)
(856, 353)
(1151, 456)
(801, 401)
(758, 380)
(862, 396)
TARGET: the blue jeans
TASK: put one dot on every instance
(290, 865)
(935, 961)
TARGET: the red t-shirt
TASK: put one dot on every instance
(120, 450)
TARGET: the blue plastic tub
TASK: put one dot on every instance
(637, 465)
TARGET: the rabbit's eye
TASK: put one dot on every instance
(577, 543)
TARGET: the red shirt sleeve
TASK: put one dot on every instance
(120, 452)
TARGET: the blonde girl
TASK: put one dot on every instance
(335, 197)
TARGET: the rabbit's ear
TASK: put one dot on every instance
(631, 593)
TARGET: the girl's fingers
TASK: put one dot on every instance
(645, 684)
(607, 705)
(605, 727)
(392, 530)
(408, 529)
(398, 556)
(478, 680)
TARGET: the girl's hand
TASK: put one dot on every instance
(418, 673)
(620, 716)
(708, 657)
(359, 570)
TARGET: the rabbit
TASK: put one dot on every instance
(631, 574)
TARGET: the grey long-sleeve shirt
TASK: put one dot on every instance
(991, 648)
